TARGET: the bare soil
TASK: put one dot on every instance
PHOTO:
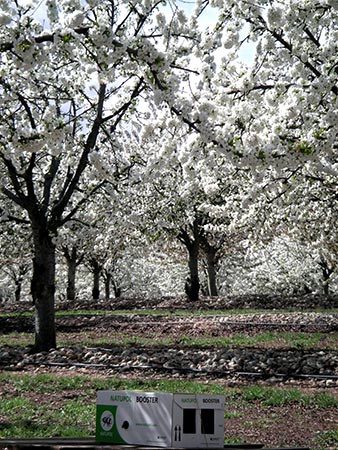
(288, 426)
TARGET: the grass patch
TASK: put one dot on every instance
(16, 406)
(46, 405)
(169, 312)
(70, 419)
(16, 339)
(230, 414)
(46, 383)
(329, 439)
(232, 439)
(298, 339)
(272, 338)
(278, 397)
(276, 339)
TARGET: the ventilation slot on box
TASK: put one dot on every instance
(189, 421)
(207, 421)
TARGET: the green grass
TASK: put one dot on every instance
(232, 439)
(288, 339)
(300, 339)
(46, 405)
(46, 383)
(285, 339)
(16, 339)
(328, 438)
(27, 419)
(169, 312)
(269, 396)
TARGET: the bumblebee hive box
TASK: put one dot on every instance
(160, 419)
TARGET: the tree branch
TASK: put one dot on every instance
(71, 214)
(18, 196)
(15, 198)
(8, 46)
(49, 178)
(27, 109)
(28, 177)
(60, 205)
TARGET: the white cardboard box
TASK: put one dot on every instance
(160, 419)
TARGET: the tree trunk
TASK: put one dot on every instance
(192, 242)
(327, 271)
(192, 285)
(96, 280)
(117, 289)
(107, 281)
(43, 202)
(326, 280)
(211, 271)
(71, 273)
(43, 290)
(17, 292)
(19, 279)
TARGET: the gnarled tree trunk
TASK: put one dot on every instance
(212, 251)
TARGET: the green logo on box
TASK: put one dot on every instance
(107, 420)
(106, 427)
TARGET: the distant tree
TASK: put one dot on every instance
(73, 258)
(15, 256)
(96, 268)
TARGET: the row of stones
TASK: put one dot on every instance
(271, 361)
